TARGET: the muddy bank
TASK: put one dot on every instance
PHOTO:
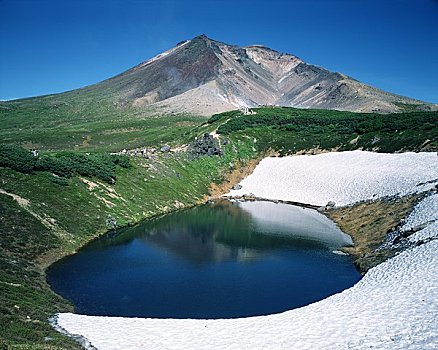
(369, 224)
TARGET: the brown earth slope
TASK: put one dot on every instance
(205, 76)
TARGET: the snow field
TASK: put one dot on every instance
(341, 177)
(424, 212)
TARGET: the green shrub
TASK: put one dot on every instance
(324, 121)
(68, 164)
(17, 158)
(60, 167)
(62, 181)
(64, 164)
(122, 161)
(224, 115)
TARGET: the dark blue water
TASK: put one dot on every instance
(218, 260)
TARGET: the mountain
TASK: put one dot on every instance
(205, 76)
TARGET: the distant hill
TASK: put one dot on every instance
(205, 76)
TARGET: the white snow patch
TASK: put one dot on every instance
(163, 54)
(283, 77)
(430, 232)
(342, 177)
(424, 212)
(222, 97)
(395, 306)
(287, 75)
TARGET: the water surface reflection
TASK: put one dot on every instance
(217, 260)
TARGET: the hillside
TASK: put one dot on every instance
(50, 208)
(205, 76)
(195, 79)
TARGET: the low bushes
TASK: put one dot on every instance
(64, 164)
(320, 121)
(17, 158)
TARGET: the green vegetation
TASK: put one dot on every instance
(26, 302)
(44, 217)
(290, 130)
(224, 116)
(64, 164)
(72, 121)
(319, 121)
(17, 158)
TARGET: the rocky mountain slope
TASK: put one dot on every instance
(207, 76)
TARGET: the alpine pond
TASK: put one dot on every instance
(219, 260)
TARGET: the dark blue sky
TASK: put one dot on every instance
(53, 46)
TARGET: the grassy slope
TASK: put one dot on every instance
(66, 121)
(59, 219)
(77, 213)
(290, 130)
(26, 300)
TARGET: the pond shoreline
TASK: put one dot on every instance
(238, 173)
(344, 216)
(261, 199)
(347, 218)
(251, 246)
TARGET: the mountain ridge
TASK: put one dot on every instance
(206, 76)
(203, 76)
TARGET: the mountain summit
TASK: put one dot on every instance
(206, 76)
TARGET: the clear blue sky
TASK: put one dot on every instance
(54, 46)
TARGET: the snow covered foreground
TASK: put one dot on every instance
(395, 305)
(341, 177)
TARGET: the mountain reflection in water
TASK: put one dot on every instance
(220, 259)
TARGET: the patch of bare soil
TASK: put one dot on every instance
(368, 225)
(237, 174)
